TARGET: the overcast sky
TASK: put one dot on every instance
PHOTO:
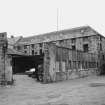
(32, 17)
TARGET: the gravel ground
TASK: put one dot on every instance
(26, 91)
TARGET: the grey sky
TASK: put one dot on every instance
(32, 17)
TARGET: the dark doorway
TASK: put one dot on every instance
(21, 64)
(102, 71)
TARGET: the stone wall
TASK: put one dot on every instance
(1, 65)
(5, 61)
(63, 63)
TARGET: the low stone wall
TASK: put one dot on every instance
(60, 76)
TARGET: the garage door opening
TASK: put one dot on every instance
(21, 64)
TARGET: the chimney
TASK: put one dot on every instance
(12, 36)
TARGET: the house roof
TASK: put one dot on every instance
(59, 35)
(14, 40)
(15, 52)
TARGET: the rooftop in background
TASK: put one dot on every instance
(13, 40)
(59, 35)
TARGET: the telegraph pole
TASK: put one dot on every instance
(57, 18)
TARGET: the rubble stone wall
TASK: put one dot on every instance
(64, 63)
(5, 61)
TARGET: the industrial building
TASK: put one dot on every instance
(60, 55)
(82, 48)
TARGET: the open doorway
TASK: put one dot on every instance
(102, 70)
(22, 64)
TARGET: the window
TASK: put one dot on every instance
(100, 38)
(36, 53)
(73, 40)
(25, 46)
(40, 44)
(73, 47)
(85, 38)
(32, 52)
(25, 51)
(3, 35)
(102, 57)
(41, 52)
(97, 64)
(32, 45)
(18, 48)
(69, 65)
(100, 47)
(60, 41)
(85, 48)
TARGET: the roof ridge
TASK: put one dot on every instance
(60, 35)
(71, 29)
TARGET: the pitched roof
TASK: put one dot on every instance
(14, 40)
(59, 35)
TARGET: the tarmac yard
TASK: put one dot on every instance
(27, 91)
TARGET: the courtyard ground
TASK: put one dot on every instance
(26, 91)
